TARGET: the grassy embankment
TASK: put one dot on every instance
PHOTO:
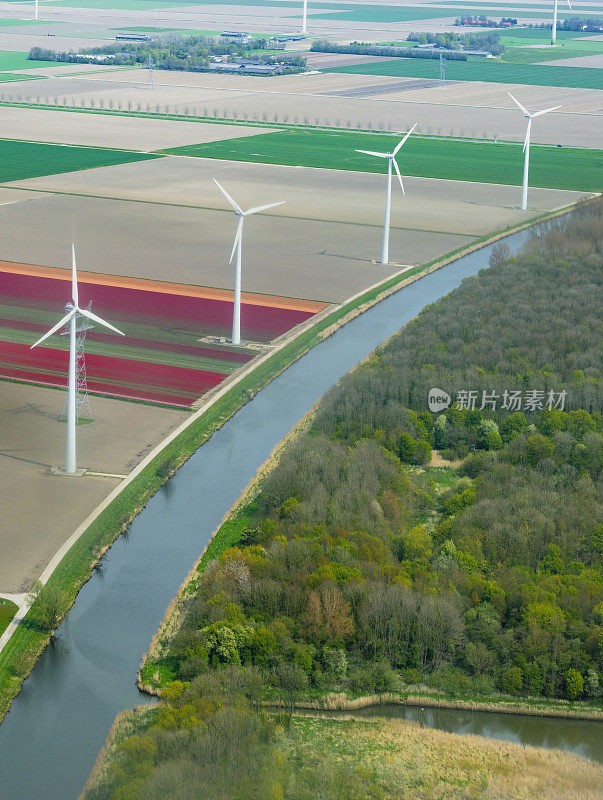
(29, 640)
(489, 71)
(7, 611)
(428, 157)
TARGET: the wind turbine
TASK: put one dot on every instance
(526, 146)
(236, 316)
(388, 200)
(305, 15)
(554, 28)
(71, 318)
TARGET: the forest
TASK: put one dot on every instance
(366, 566)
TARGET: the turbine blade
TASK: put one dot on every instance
(74, 296)
(263, 208)
(236, 207)
(527, 139)
(90, 315)
(569, 4)
(546, 111)
(372, 153)
(517, 103)
(399, 145)
(55, 328)
(237, 238)
(399, 176)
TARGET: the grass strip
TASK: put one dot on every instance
(7, 611)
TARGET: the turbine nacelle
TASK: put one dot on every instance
(392, 156)
(530, 117)
(73, 308)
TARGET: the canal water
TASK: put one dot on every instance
(57, 725)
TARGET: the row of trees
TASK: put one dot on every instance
(364, 49)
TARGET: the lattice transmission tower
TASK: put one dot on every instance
(442, 71)
(150, 80)
(82, 404)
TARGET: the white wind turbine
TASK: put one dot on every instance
(526, 146)
(305, 16)
(71, 318)
(388, 201)
(554, 28)
(236, 316)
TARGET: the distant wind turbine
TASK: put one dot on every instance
(236, 316)
(554, 28)
(37, 17)
(526, 146)
(388, 200)
(305, 15)
(71, 318)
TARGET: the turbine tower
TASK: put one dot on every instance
(526, 146)
(37, 17)
(554, 28)
(71, 318)
(236, 316)
(388, 198)
(305, 16)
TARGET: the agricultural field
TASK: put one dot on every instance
(553, 168)
(480, 70)
(20, 159)
(10, 61)
(160, 359)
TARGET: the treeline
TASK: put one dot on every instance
(591, 24)
(171, 52)
(489, 42)
(360, 48)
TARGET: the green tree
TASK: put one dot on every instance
(574, 684)
(511, 680)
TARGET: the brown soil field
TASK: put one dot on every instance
(38, 510)
(285, 257)
(113, 131)
(337, 99)
(442, 206)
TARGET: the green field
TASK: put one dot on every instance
(550, 167)
(7, 612)
(5, 77)
(12, 60)
(19, 160)
(481, 70)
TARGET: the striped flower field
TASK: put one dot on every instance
(161, 358)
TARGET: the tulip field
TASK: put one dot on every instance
(160, 359)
